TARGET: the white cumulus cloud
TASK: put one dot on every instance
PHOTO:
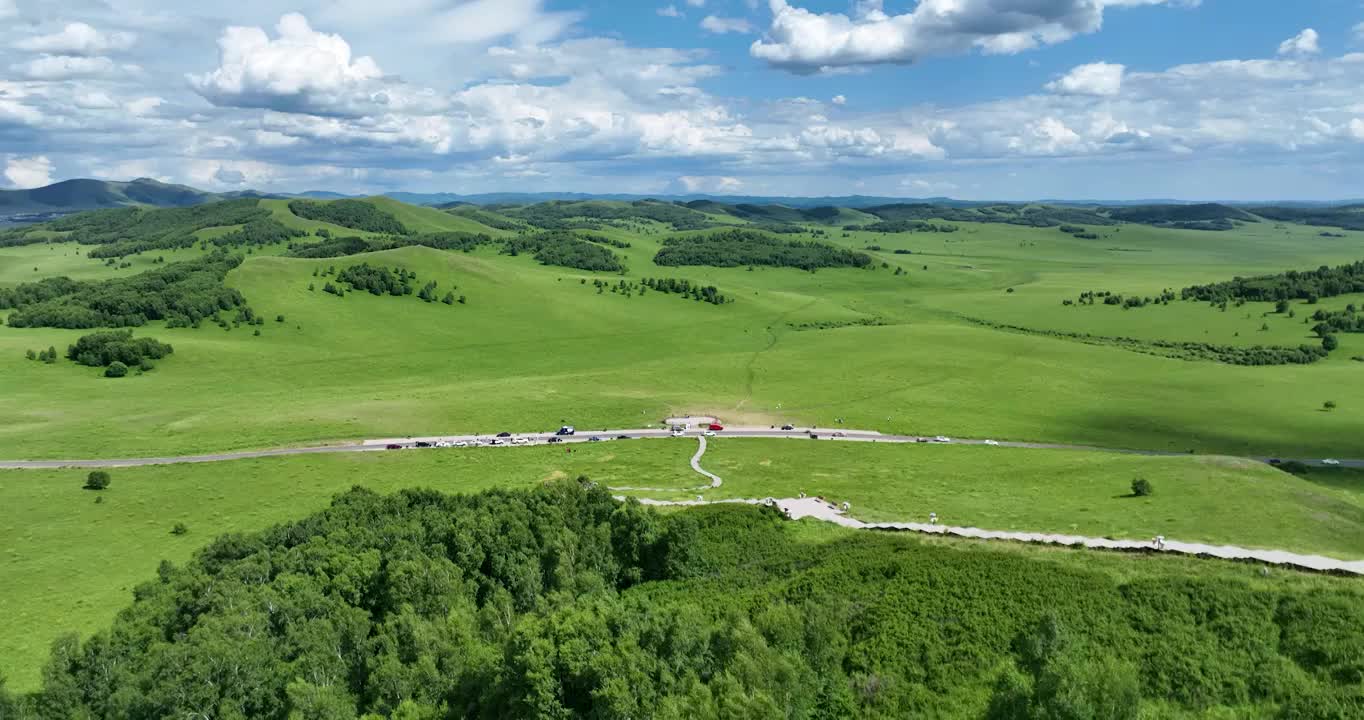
(31, 172)
(301, 69)
(77, 38)
(1304, 43)
(670, 11)
(1103, 79)
(804, 41)
(65, 67)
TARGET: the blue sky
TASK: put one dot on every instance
(979, 99)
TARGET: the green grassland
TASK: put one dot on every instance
(535, 345)
(69, 562)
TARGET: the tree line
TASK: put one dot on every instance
(353, 214)
(128, 231)
(735, 248)
(560, 602)
(903, 226)
(1309, 285)
(181, 294)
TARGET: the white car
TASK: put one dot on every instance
(677, 433)
(992, 443)
(942, 439)
(1330, 462)
(461, 443)
(709, 433)
(520, 441)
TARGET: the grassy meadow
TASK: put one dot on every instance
(538, 345)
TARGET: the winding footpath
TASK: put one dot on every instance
(795, 508)
(821, 509)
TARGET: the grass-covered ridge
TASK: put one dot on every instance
(560, 602)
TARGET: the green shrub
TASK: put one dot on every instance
(1141, 487)
(116, 369)
(97, 480)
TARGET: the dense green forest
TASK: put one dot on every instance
(734, 248)
(1309, 285)
(1029, 215)
(564, 249)
(901, 226)
(560, 602)
(1350, 217)
(472, 212)
(132, 230)
(353, 214)
(568, 215)
(267, 231)
(182, 294)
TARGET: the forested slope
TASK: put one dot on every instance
(560, 602)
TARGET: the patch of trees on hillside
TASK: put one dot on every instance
(681, 286)
(1257, 355)
(564, 249)
(353, 214)
(570, 215)
(904, 226)
(103, 349)
(330, 248)
(1026, 215)
(560, 602)
(735, 248)
(256, 233)
(181, 294)
(1309, 285)
(1200, 216)
(494, 221)
(1350, 217)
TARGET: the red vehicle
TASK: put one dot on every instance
(716, 428)
(393, 446)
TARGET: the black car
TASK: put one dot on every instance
(1275, 461)
(788, 427)
(622, 437)
(594, 438)
(504, 434)
(423, 443)
(556, 439)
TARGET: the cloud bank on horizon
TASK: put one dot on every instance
(1002, 99)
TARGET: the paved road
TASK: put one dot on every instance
(586, 436)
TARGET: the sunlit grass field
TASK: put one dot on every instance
(536, 346)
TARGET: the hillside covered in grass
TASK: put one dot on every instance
(561, 602)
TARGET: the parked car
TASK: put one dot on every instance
(566, 430)
(678, 433)
(709, 433)
(1275, 461)
(504, 434)
(393, 446)
(521, 441)
(715, 427)
(814, 436)
(556, 440)
(1330, 462)
(992, 443)
(788, 427)
(495, 441)
(594, 438)
(942, 439)
(461, 443)
(622, 437)
(423, 443)
(920, 440)
(840, 433)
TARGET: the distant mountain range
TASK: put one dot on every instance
(74, 195)
(70, 195)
